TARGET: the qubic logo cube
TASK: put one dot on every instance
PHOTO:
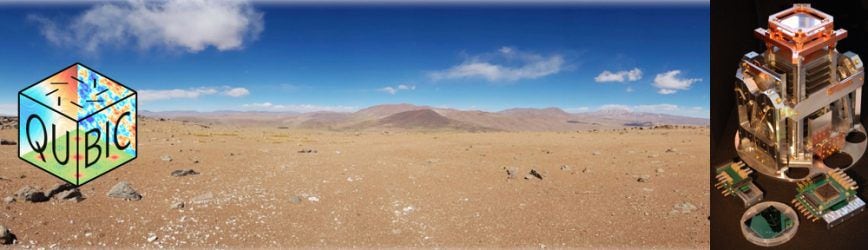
(77, 124)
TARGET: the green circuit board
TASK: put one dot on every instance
(732, 178)
(824, 193)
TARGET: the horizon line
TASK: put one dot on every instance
(422, 107)
(575, 110)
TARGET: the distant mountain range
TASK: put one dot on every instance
(408, 116)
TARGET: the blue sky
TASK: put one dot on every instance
(183, 55)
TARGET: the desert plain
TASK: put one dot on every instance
(264, 186)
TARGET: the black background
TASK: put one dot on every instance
(732, 26)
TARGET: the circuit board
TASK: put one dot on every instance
(831, 197)
(734, 179)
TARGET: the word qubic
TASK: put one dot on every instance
(77, 124)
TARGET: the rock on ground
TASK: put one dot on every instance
(60, 187)
(684, 207)
(6, 237)
(70, 195)
(511, 172)
(31, 194)
(152, 237)
(8, 199)
(177, 205)
(184, 172)
(7, 142)
(533, 174)
(295, 199)
(123, 190)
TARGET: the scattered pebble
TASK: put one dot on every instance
(123, 190)
(671, 150)
(31, 194)
(307, 151)
(7, 142)
(152, 237)
(660, 170)
(177, 205)
(60, 187)
(684, 207)
(511, 172)
(533, 174)
(70, 195)
(9, 199)
(295, 199)
(596, 153)
(566, 168)
(184, 172)
(643, 178)
(6, 236)
(166, 158)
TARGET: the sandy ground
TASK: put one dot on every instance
(375, 189)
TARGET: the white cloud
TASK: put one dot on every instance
(508, 64)
(629, 89)
(389, 90)
(237, 92)
(8, 109)
(666, 91)
(191, 93)
(394, 89)
(621, 76)
(669, 82)
(192, 25)
(301, 108)
(662, 108)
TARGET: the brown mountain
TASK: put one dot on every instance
(408, 116)
(380, 111)
(426, 119)
(521, 119)
(422, 118)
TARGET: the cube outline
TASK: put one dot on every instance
(22, 123)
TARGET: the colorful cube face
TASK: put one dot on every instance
(77, 124)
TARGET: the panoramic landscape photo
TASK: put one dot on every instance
(389, 124)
